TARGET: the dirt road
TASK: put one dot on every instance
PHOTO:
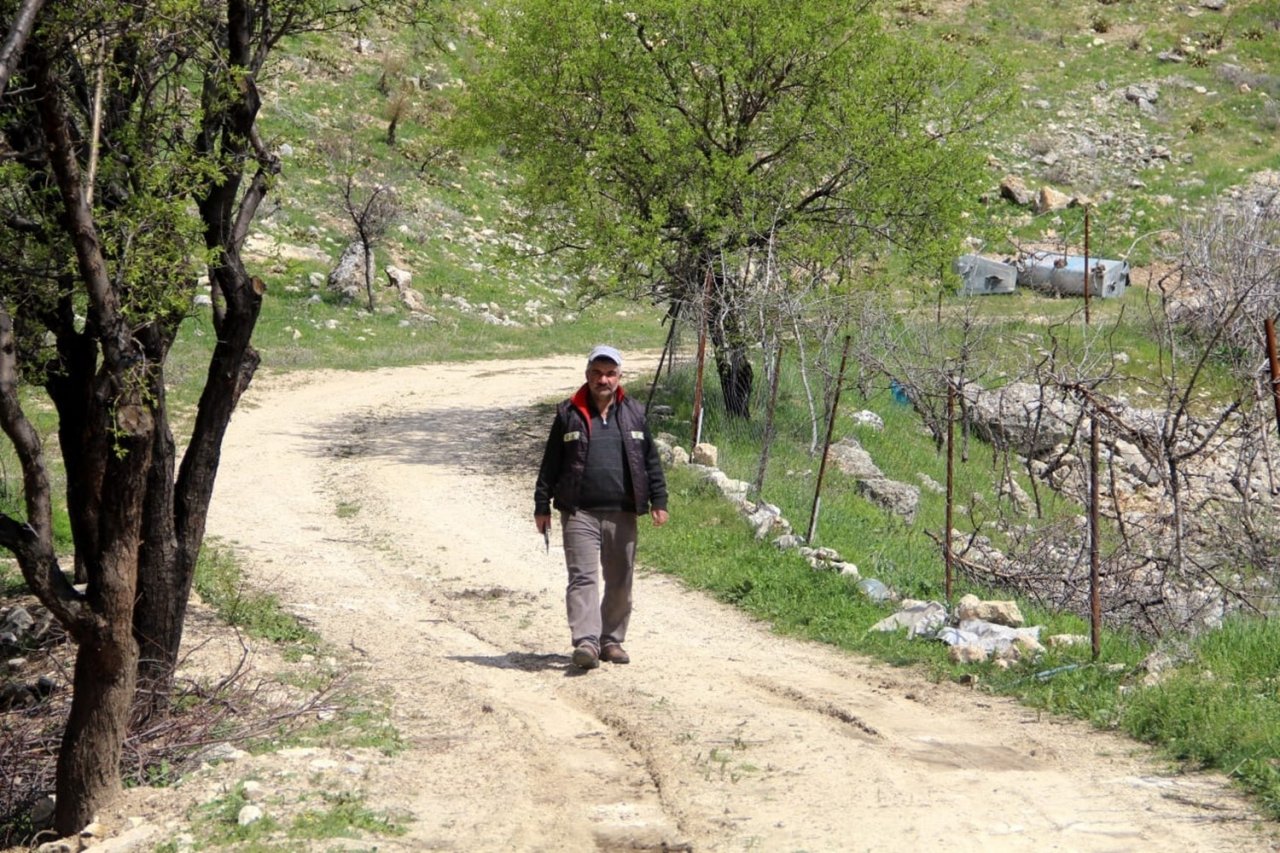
(384, 509)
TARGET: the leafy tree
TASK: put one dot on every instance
(662, 139)
(130, 164)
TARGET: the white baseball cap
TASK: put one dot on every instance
(607, 352)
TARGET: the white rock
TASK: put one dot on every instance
(249, 814)
(705, 454)
(868, 418)
(1058, 641)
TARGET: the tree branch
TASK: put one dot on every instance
(23, 23)
(32, 542)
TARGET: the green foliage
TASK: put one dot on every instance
(655, 136)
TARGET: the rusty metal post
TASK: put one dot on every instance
(1274, 361)
(702, 358)
(947, 556)
(826, 445)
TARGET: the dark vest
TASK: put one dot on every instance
(577, 432)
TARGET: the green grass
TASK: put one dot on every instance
(1221, 710)
(218, 822)
(220, 582)
(343, 816)
(361, 723)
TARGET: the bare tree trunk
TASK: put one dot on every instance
(368, 272)
(89, 761)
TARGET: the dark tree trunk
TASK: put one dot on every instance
(89, 760)
(736, 380)
(177, 509)
(81, 436)
(158, 616)
(106, 661)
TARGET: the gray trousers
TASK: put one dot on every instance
(596, 541)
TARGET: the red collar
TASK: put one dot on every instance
(581, 401)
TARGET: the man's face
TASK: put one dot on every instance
(603, 377)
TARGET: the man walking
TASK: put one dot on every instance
(601, 470)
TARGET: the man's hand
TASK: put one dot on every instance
(543, 522)
(659, 517)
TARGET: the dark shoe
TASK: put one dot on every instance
(585, 656)
(614, 653)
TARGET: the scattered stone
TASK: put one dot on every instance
(970, 607)
(705, 454)
(967, 653)
(901, 499)
(1062, 641)
(766, 520)
(1014, 189)
(202, 300)
(734, 490)
(17, 620)
(853, 461)
(251, 813)
(59, 846)
(224, 752)
(347, 278)
(1048, 199)
(398, 278)
(788, 542)
(930, 484)
(868, 419)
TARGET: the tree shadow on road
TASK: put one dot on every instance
(476, 439)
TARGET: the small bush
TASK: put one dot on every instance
(1099, 23)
